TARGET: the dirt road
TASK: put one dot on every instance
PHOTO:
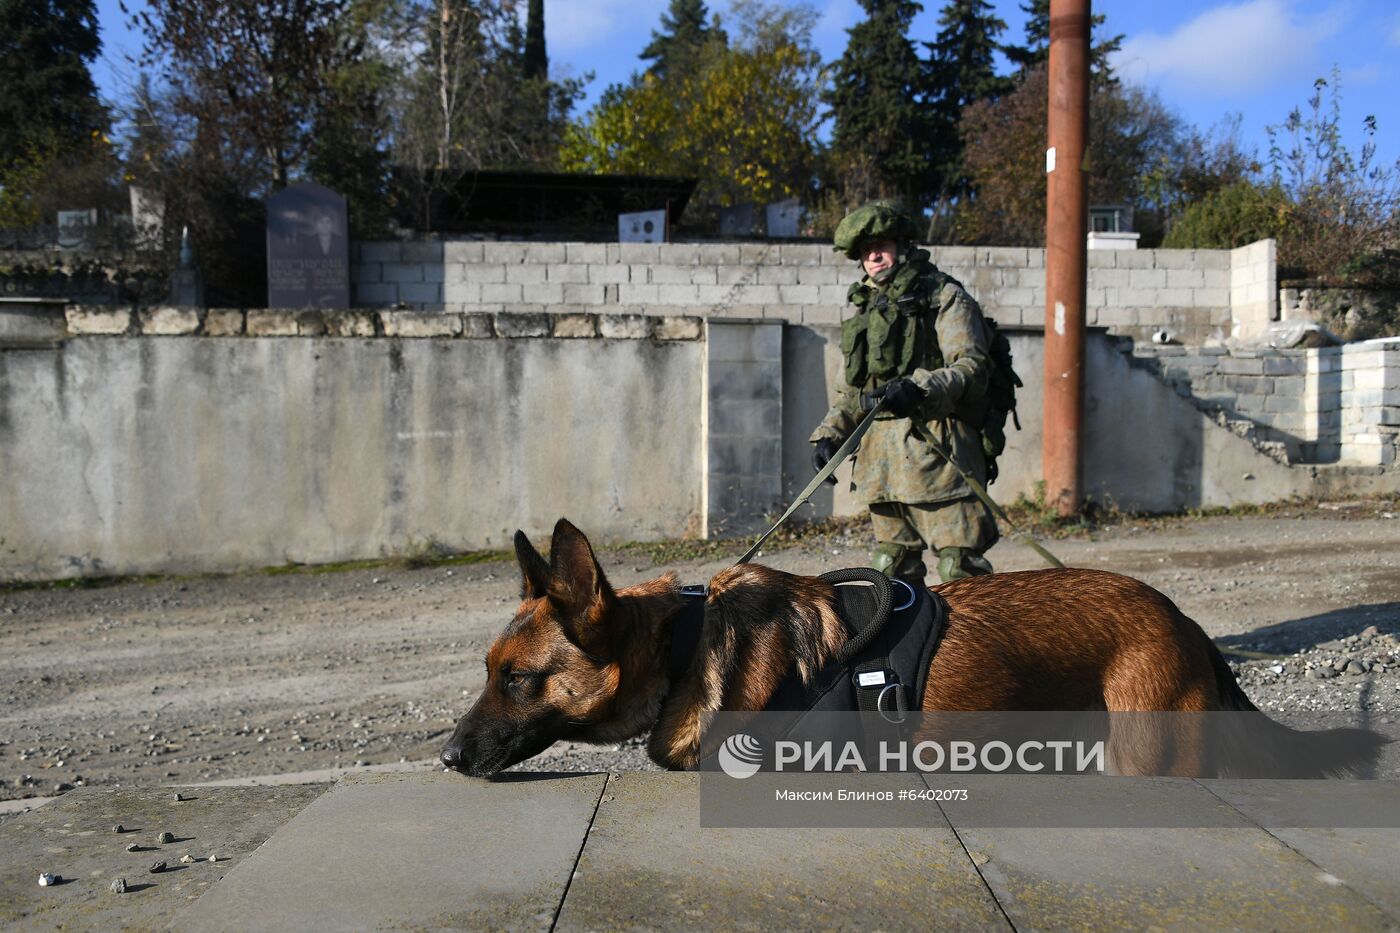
(214, 678)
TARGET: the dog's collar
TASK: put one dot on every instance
(685, 631)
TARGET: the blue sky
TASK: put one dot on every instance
(1256, 58)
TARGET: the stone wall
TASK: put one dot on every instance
(1328, 405)
(1350, 313)
(1131, 292)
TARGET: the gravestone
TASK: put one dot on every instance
(642, 227)
(147, 216)
(737, 220)
(784, 218)
(186, 284)
(73, 228)
(308, 249)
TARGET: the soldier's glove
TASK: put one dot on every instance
(901, 397)
(826, 449)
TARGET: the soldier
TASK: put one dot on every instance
(918, 341)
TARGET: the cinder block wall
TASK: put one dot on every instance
(1253, 287)
(1328, 405)
(1131, 292)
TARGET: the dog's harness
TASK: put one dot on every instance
(883, 667)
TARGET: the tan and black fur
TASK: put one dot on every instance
(585, 662)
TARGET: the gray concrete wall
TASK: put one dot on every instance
(173, 440)
(1145, 447)
(743, 425)
(134, 454)
(1131, 292)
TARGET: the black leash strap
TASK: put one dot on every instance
(842, 452)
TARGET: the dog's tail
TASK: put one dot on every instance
(1248, 744)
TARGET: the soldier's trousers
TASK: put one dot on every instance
(963, 523)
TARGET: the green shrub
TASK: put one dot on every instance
(1234, 216)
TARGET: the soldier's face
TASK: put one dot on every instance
(878, 255)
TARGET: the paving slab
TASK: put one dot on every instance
(649, 865)
(1210, 869)
(1363, 858)
(413, 852)
(72, 837)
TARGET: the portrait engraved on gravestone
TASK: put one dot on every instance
(308, 248)
(642, 227)
(73, 227)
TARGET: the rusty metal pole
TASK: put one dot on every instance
(1066, 232)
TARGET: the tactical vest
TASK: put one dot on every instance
(892, 332)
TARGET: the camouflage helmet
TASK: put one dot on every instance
(877, 220)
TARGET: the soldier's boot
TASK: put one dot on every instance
(899, 563)
(954, 563)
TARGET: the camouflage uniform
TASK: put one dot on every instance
(922, 324)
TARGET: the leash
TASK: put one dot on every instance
(1017, 533)
(842, 452)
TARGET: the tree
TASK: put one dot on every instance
(350, 139)
(961, 71)
(1036, 52)
(536, 60)
(1130, 131)
(881, 132)
(204, 176)
(1003, 158)
(257, 69)
(465, 104)
(54, 150)
(48, 97)
(685, 32)
(1344, 225)
(741, 120)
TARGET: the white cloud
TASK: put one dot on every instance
(1229, 49)
(579, 25)
(1395, 34)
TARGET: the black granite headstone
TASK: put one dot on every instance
(308, 249)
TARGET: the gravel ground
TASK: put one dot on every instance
(141, 683)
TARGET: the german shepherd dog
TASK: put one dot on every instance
(585, 662)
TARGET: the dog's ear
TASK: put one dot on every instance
(576, 583)
(534, 570)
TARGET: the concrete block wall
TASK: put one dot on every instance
(1328, 405)
(1370, 401)
(1130, 292)
(1253, 287)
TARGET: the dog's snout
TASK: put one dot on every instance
(451, 756)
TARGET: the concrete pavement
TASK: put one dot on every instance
(433, 851)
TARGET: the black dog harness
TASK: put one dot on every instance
(883, 667)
